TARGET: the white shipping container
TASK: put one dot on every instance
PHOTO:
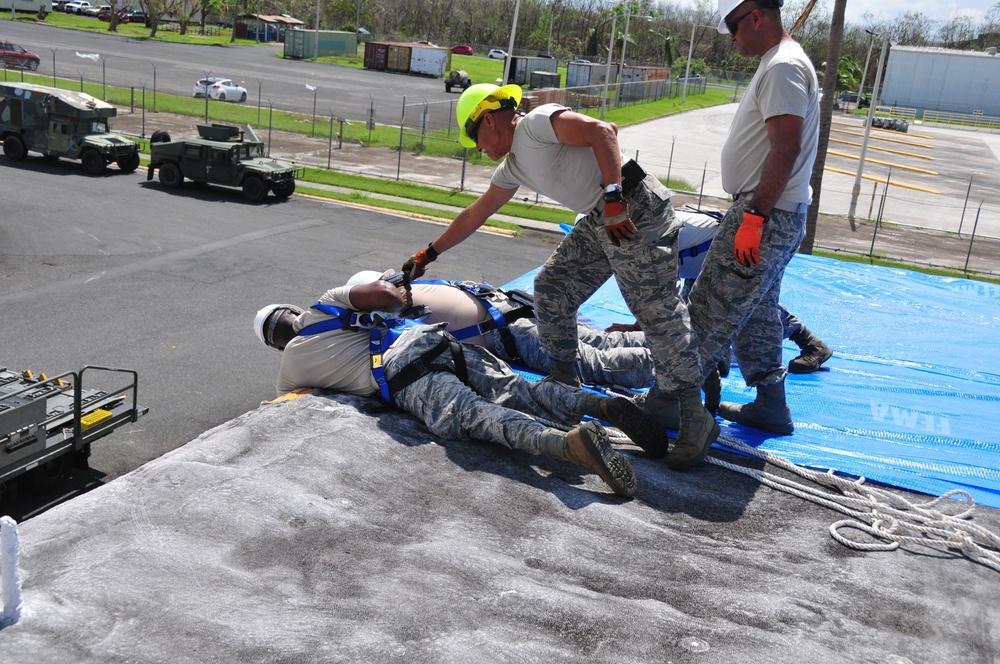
(430, 60)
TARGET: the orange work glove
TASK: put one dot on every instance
(746, 247)
(414, 266)
(616, 222)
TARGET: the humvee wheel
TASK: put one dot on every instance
(284, 189)
(159, 136)
(93, 162)
(14, 148)
(130, 163)
(170, 175)
(254, 189)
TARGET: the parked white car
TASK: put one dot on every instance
(496, 54)
(76, 6)
(95, 10)
(222, 89)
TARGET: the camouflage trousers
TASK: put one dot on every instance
(497, 405)
(605, 358)
(736, 305)
(645, 268)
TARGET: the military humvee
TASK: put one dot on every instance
(62, 123)
(221, 154)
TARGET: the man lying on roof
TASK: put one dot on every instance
(355, 340)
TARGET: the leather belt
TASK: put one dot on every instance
(632, 176)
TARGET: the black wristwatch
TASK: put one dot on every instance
(757, 213)
(613, 194)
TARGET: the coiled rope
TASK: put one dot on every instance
(886, 516)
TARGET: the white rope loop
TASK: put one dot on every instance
(889, 518)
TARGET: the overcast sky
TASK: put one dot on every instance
(937, 10)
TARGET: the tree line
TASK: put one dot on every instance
(659, 33)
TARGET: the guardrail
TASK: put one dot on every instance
(962, 119)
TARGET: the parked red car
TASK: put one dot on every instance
(462, 49)
(122, 16)
(14, 57)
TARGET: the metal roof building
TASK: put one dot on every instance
(940, 79)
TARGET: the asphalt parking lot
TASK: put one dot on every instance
(116, 271)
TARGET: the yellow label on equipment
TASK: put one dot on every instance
(377, 361)
(90, 419)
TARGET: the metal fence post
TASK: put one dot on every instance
(399, 157)
(701, 192)
(964, 206)
(670, 164)
(973, 237)
(329, 143)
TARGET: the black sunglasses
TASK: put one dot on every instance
(472, 128)
(734, 24)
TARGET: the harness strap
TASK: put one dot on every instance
(499, 320)
(691, 252)
(424, 365)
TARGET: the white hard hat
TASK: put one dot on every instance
(726, 8)
(263, 315)
(364, 277)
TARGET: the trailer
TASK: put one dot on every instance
(40, 8)
(62, 123)
(47, 425)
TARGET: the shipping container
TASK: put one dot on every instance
(302, 43)
(648, 83)
(376, 55)
(938, 79)
(521, 68)
(39, 7)
(398, 58)
(430, 60)
(582, 74)
(545, 79)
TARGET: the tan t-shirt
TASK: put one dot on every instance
(537, 160)
(453, 306)
(337, 360)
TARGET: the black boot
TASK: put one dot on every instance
(768, 411)
(698, 431)
(660, 406)
(713, 391)
(565, 373)
(623, 413)
(814, 352)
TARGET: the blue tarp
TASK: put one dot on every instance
(910, 395)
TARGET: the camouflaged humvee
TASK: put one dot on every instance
(62, 123)
(221, 154)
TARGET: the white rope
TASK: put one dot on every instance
(884, 515)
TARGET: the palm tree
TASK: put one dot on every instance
(825, 118)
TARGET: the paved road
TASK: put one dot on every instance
(116, 271)
(261, 69)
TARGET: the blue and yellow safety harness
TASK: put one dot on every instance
(383, 331)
